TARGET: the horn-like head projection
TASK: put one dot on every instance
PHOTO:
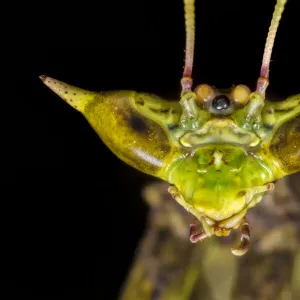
(220, 150)
(133, 125)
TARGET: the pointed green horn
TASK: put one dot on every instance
(134, 126)
(76, 97)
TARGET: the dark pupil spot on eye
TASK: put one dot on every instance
(221, 102)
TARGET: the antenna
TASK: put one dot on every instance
(189, 14)
(263, 80)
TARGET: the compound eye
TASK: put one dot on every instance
(221, 102)
(241, 94)
(205, 93)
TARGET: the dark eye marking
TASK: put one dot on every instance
(221, 102)
(172, 126)
(138, 124)
(163, 111)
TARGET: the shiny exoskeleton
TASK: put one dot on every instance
(220, 151)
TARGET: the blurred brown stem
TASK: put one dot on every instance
(168, 267)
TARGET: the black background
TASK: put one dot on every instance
(71, 212)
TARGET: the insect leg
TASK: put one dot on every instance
(245, 240)
(195, 236)
(179, 198)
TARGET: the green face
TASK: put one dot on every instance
(218, 180)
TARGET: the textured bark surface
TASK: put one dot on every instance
(168, 267)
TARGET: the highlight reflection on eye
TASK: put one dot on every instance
(221, 102)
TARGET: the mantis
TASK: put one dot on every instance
(221, 151)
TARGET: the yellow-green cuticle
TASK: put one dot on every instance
(220, 163)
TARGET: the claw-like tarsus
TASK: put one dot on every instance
(195, 236)
(245, 240)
